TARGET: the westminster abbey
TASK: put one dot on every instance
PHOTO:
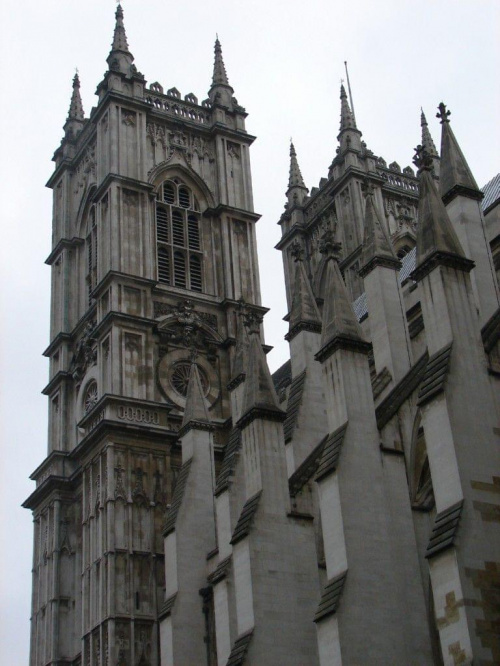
(195, 510)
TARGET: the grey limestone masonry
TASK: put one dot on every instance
(193, 509)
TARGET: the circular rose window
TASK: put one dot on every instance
(91, 397)
(179, 378)
(174, 370)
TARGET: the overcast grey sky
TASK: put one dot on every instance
(285, 61)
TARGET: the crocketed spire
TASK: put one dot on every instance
(295, 179)
(456, 177)
(304, 314)
(196, 407)
(436, 238)
(346, 117)
(259, 397)
(76, 108)
(341, 328)
(219, 77)
(120, 59)
(377, 248)
(427, 141)
(119, 38)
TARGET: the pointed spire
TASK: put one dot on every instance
(119, 38)
(377, 248)
(295, 179)
(346, 117)
(437, 241)
(297, 190)
(76, 108)
(195, 412)
(427, 141)
(260, 399)
(120, 59)
(304, 314)
(341, 328)
(219, 77)
(456, 177)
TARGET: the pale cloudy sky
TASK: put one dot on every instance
(284, 59)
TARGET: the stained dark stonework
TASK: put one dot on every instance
(192, 507)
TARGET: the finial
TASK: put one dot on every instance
(422, 159)
(297, 251)
(443, 113)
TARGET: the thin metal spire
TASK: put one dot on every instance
(350, 93)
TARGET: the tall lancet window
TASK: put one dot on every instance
(91, 254)
(178, 236)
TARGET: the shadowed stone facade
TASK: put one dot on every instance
(193, 509)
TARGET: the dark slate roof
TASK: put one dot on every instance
(305, 471)
(408, 263)
(180, 486)
(240, 647)
(401, 392)
(435, 375)
(166, 609)
(294, 400)
(229, 461)
(282, 377)
(246, 518)
(330, 598)
(331, 452)
(491, 193)
(444, 529)
(220, 571)
(490, 332)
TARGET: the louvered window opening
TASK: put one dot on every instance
(178, 236)
(91, 254)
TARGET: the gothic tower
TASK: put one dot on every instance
(153, 248)
(195, 509)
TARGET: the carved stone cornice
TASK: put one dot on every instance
(442, 259)
(196, 425)
(266, 413)
(342, 342)
(462, 191)
(312, 326)
(385, 262)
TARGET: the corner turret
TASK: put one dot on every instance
(121, 64)
(220, 91)
(297, 190)
(76, 117)
(349, 135)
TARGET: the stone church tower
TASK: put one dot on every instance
(194, 510)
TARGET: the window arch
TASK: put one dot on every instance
(178, 236)
(91, 253)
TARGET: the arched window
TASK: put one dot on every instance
(178, 236)
(91, 253)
